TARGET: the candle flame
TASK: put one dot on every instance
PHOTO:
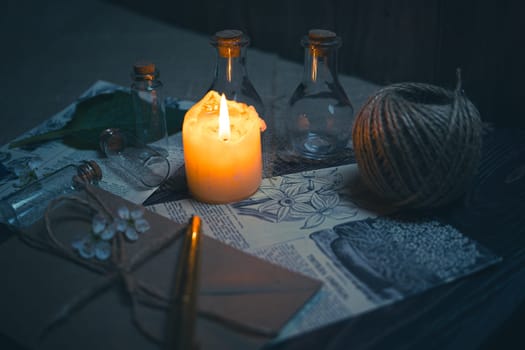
(224, 120)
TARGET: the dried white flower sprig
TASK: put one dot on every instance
(97, 242)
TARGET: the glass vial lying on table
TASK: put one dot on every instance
(230, 76)
(26, 206)
(149, 107)
(135, 159)
(320, 116)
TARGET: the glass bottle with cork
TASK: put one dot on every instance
(230, 75)
(319, 116)
(138, 163)
(26, 206)
(149, 106)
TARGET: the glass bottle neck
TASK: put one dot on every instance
(145, 77)
(230, 75)
(146, 85)
(231, 66)
(320, 64)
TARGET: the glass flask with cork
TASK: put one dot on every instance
(319, 116)
(26, 206)
(230, 75)
(149, 106)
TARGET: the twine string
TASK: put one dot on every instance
(418, 145)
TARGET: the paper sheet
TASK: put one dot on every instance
(315, 223)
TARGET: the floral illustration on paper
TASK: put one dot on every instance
(310, 197)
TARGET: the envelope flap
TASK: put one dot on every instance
(249, 290)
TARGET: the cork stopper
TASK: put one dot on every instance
(320, 41)
(145, 71)
(229, 34)
(90, 171)
(321, 35)
(229, 42)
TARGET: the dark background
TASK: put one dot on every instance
(384, 41)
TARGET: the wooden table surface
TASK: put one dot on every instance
(58, 49)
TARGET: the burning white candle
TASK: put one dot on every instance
(222, 149)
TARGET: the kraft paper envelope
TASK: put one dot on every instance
(243, 301)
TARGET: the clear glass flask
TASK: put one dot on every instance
(135, 160)
(26, 206)
(149, 106)
(230, 76)
(320, 116)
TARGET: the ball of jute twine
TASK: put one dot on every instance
(418, 145)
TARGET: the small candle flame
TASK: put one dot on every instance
(224, 120)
